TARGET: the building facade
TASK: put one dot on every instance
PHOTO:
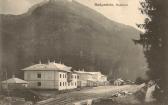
(50, 76)
(83, 78)
(91, 78)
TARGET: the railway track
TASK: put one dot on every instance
(69, 98)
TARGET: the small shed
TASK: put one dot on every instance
(91, 83)
(14, 83)
(118, 82)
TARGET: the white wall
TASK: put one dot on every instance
(84, 76)
(93, 78)
(97, 76)
(103, 79)
(73, 83)
(67, 85)
(48, 80)
(62, 81)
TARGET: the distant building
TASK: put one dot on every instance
(50, 76)
(91, 78)
(14, 83)
(118, 82)
(83, 78)
(103, 80)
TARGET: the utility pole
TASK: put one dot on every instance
(1, 80)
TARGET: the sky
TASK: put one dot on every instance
(129, 15)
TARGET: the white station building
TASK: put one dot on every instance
(50, 76)
(91, 78)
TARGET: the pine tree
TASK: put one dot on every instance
(155, 41)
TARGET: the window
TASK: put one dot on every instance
(63, 75)
(38, 83)
(68, 84)
(78, 76)
(60, 83)
(75, 83)
(63, 83)
(60, 75)
(38, 75)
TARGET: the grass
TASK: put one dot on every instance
(27, 94)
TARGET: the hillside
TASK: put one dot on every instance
(73, 34)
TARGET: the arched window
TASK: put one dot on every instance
(60, 83)
(60, 75)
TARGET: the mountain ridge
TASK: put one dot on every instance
(61, 31)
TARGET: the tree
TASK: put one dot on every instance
(155, 40)
(139, 80)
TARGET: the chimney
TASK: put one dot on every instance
(60, 62)
(39, 61)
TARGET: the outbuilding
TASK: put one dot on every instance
(118, 82)
(14, 83)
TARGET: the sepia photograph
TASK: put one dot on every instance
(83, 52)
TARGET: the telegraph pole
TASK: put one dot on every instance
(1, 80)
